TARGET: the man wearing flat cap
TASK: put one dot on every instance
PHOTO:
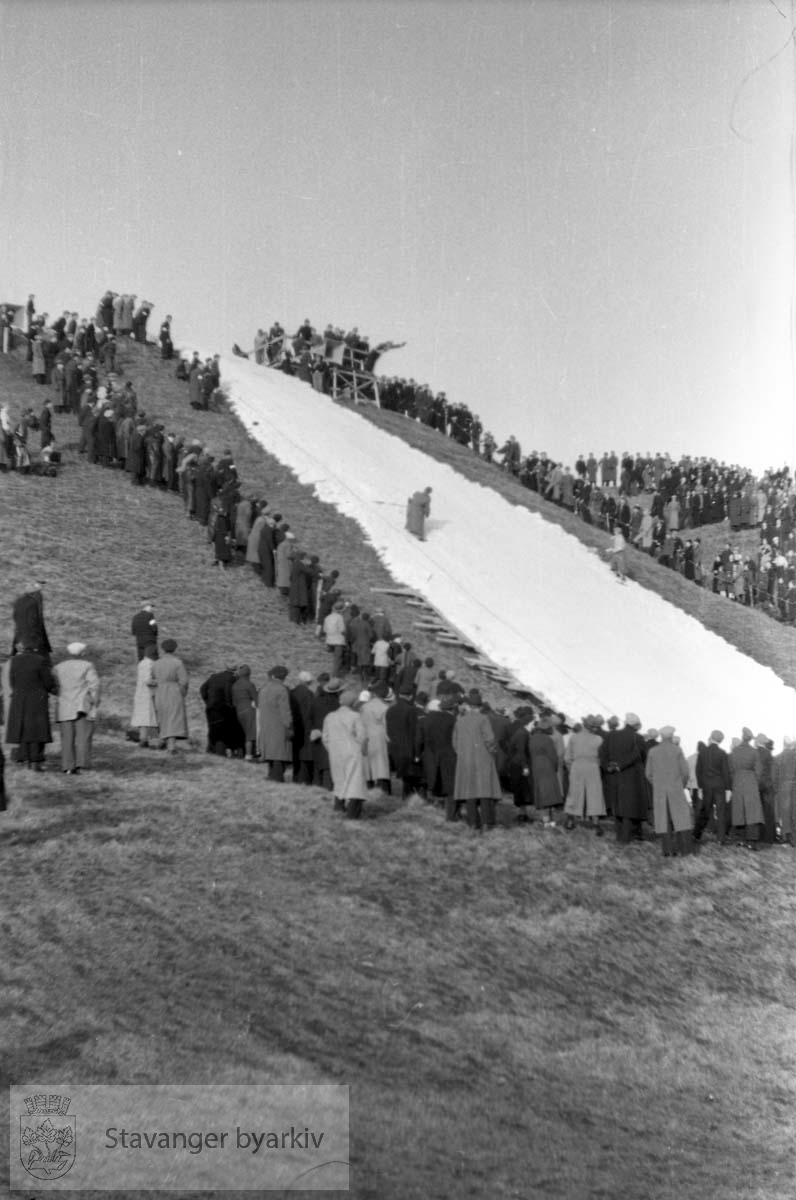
(78, 697)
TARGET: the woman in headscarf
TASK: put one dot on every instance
(171, 687)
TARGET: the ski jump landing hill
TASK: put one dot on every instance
(530, 596)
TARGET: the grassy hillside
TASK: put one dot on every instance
(531, 1014)
(101, 545)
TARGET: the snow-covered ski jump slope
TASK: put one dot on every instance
(530, 596)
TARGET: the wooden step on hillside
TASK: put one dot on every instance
(397, 591)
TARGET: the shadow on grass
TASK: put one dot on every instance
(98, 823)
(26, 1062)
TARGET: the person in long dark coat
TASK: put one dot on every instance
(622, 758)
(265, 553)
(326, 700)
(302, 578)
(221, 540)
(29, 628)
(401, 723)
(32, 683)
(106, 438)
(244, 700)
(301, 697)
(714, 783)
(544, 769)
(434, 749)
(518, 761)
(136, 455)
(223, 729)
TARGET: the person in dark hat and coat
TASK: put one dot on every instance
(544, 770)
(301, 698)
(436, 754)
(715, 787)
(325, 701)
(622, 758)
(223, 729)
(401, 723)
(244, 701)
(32, 683)
(29, 628)
(144, 628)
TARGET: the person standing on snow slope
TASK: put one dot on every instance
(418, 508)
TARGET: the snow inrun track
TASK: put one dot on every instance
(528, 595)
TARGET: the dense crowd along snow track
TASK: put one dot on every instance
(533, 599)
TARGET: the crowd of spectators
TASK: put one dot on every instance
(380, 712)
(657, 503)
(418, 727)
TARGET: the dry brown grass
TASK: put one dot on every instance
(533, 1014)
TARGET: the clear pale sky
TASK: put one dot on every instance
(579, 215)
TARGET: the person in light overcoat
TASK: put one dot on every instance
(747, 811)
(344, 738)
(666, 769)
(585, 791)
(476, 780)
(171, 688)
(276, 724)
(78, 697)
(144, 717)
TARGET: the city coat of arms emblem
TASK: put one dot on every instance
(47, 1136)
